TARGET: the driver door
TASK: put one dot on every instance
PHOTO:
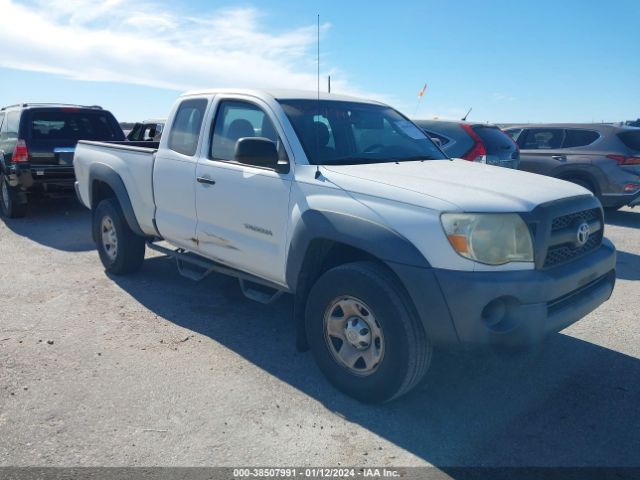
(242, 209)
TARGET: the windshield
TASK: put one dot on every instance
(341, 133)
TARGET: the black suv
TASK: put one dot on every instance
(37, 142)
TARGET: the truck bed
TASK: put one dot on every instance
(133, 162)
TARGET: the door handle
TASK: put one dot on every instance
(205, 180)
(559, 157)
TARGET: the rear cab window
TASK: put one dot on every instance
(71, 125)
(185, 131)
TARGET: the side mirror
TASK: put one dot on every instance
(257, 151)
(436, 141)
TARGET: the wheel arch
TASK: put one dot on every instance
(104, 182)
(322, 240)
(582, 174)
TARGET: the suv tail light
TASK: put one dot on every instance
(631, 188)
(622, 160)
(20, 152)
(478, 150)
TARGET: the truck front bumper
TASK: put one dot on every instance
(510, 308)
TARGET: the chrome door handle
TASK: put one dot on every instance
(559, 157)
(205, 180)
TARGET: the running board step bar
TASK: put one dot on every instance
(259, 294)
(195, 267)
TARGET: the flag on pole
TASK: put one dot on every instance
(421, 93)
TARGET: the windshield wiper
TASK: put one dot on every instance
(361, 160)
(413, 159)
(353, 161)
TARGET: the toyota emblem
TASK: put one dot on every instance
(584, 230)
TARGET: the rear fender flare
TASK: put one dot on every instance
(107, 175)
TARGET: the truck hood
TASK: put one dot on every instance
(465, 185)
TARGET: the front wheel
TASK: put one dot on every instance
(363, 333)
(121, 251)
(12, 207)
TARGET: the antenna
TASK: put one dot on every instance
(464, 119)
(329, 86)
(315, 129)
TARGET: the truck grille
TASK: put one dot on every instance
(567, 220)
(562, 246)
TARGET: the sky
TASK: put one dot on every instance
(511, 60)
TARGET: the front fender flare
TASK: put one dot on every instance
(400, 255)
(373, 238)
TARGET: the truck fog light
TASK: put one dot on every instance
(494, 312)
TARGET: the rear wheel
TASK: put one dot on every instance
(364, 334)
(121, 251)
(12, 207)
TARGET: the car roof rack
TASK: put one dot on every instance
(94, 107)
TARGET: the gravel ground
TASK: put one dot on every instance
(153, 369)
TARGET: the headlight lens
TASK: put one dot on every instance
(491, 238)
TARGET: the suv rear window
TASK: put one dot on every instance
(72, 125)
(579, 138)
(494, 139)
(631, 139)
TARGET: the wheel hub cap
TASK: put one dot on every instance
(109, 238)
(358, 333)
(353, 335)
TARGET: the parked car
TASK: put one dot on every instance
(478, 142)
(147, 131)
(603, 158)
(37, 141)
(390, 247)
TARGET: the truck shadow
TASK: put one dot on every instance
(623, 218)
(572, 403)
(628, 266)
(60, 223)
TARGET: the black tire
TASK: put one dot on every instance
(128, 254)
(406, 351)
(10, 202)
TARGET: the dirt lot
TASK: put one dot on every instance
(153, 369)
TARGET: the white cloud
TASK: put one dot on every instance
(148, 44)
(503, 97)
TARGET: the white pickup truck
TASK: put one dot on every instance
(389, 247)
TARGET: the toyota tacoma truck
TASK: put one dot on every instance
(389, 247)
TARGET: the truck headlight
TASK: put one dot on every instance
(490, 238)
